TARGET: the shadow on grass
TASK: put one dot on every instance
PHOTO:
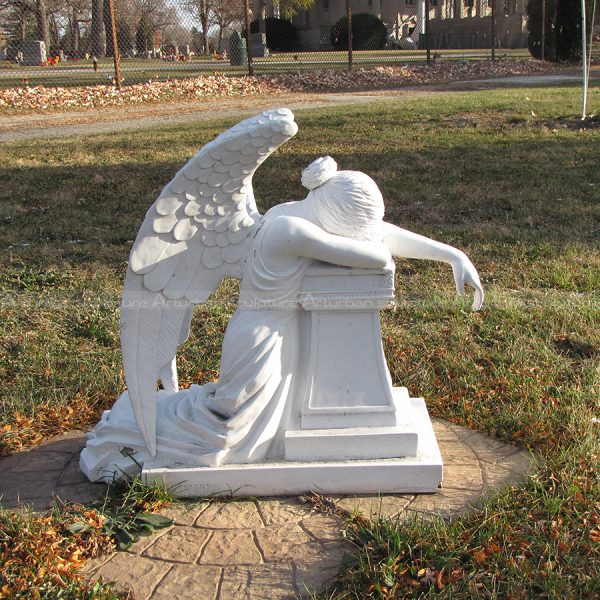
(535, 191)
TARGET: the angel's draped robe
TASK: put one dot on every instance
(241, 418)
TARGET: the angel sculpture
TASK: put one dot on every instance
(203, 227)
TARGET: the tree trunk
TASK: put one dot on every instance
(98, 35)
(53, 32)
(205, 23)
(107, 19)
(262, 13)
(21, 27)
(205, 39)
(42, 23)
(74, 32)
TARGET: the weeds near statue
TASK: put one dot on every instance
(304, 399)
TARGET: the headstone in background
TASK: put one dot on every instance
(238, 53)
(259, 44)
(2, 53)
(224, 45)
(34, 53)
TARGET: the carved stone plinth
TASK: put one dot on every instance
(347, 382)
(411, 474)
(348, 430)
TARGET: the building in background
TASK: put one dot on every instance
(453, 23)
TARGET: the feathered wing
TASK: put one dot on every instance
(195, 234)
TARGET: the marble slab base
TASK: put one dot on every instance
(415, 474)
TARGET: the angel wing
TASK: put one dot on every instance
(195, 234)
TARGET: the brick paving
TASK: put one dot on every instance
(270, 548)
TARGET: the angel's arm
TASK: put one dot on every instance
(298, 237)
(406, 244)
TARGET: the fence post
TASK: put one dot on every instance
(543, 48)
(248, 37)
(349, 13)
(585, 60)
(427, 42)
(493, 29)
(115, 42)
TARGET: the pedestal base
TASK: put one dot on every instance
(415, 474)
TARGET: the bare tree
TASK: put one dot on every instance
(76, 12)
(128, 17)
(214, 14)
(153, 16)
(201, 11)
(17, 14)
(98, 33)
(42, 23)
(225, 15)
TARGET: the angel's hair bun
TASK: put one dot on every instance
(318, 172)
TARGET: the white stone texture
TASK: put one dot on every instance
(304, 399)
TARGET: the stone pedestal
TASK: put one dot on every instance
(411, 474)
(346, 382)
(349, 431)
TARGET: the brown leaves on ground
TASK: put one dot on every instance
(391, 76)
(38, 552)
(100, 96)
(48, 421)
(222, 86)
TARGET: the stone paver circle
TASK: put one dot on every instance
(251, 548)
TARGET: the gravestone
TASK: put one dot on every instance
(259, 45)
(34, 54)
(237, 49)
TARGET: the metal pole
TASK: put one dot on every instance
(116, 56)
(493, 29)
(427, 32)
(584, 41)
(349, 13)
(592, 21)
(543, 50)
(248, 37)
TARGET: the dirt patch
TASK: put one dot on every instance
(591, 122)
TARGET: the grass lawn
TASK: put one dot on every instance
(507, 176)
(136, 70)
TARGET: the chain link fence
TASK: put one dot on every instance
(77, 42)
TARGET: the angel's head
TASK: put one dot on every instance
(346, 203)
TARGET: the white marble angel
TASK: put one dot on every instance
(203, 227)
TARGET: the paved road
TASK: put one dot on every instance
(64, 124)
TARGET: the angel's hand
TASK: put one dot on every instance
(465, 272)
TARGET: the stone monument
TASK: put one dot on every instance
(259, 45)
(238, 52)
(34, 53)
(304, 399)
